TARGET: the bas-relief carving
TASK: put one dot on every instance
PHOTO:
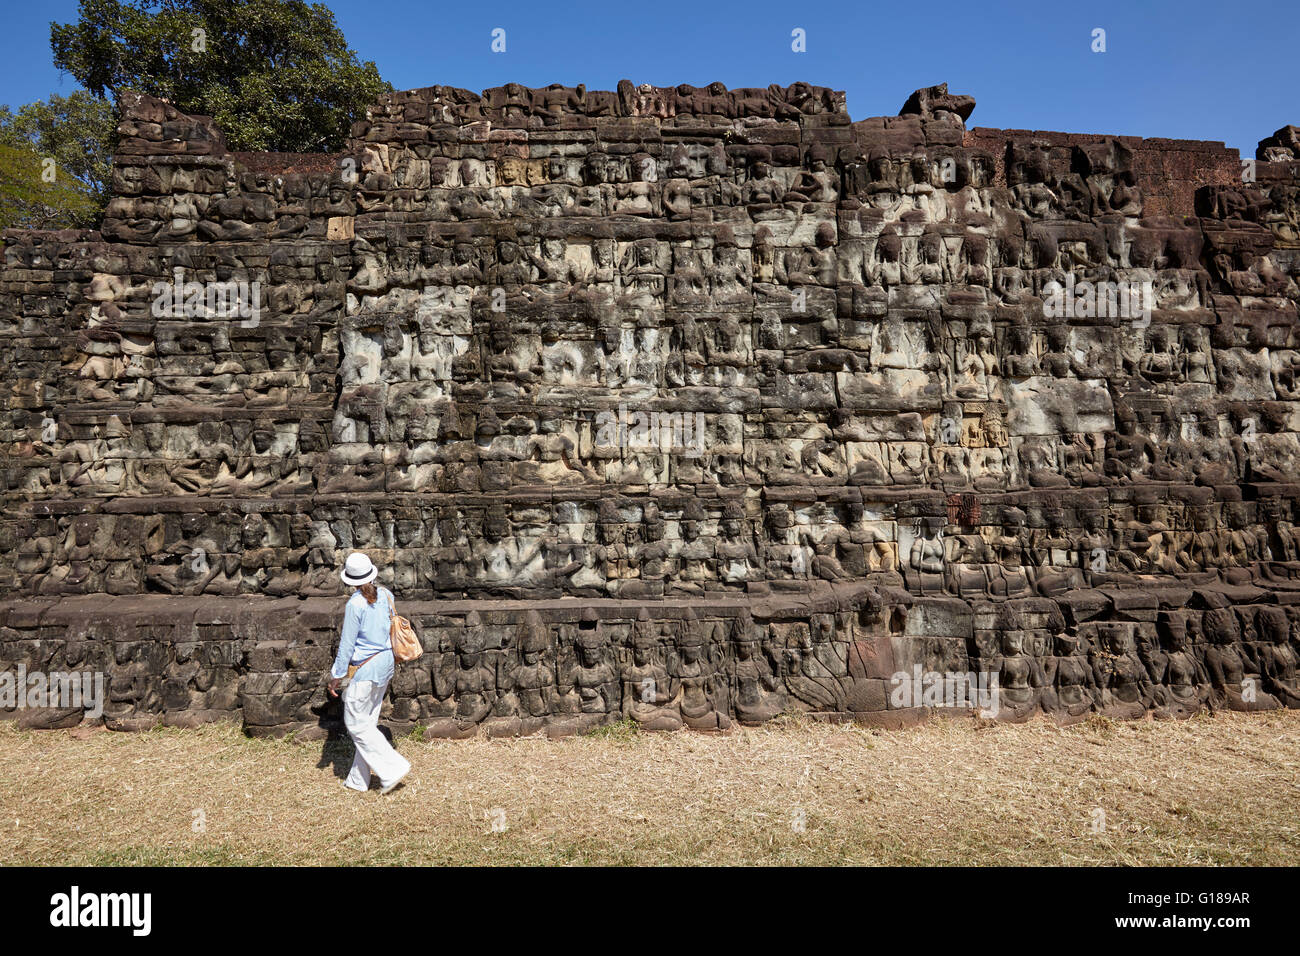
(458, 353)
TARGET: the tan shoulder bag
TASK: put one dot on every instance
(406, 646)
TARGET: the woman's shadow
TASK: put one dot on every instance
(337, 749)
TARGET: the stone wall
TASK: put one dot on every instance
(879, 443)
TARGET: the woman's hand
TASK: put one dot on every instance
(333, 686)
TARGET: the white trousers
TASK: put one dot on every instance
(362, 701)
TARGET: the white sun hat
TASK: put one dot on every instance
(358, 570)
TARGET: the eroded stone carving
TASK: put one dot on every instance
(685, 406)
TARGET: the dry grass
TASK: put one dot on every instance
(1220, 790)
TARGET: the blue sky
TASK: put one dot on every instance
(1194, 70)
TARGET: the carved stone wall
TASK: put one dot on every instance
(685, 405)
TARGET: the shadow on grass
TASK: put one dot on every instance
(337, 752)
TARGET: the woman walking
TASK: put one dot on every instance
(366, 655)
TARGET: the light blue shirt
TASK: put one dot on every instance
(366, 632)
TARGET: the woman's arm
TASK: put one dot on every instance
(351, 625)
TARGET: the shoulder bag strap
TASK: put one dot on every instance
(392, 613)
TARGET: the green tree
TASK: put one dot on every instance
(34, 195)
(274, 74)
(76, 132)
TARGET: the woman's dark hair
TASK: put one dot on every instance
(370, 591)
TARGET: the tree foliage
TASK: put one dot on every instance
(56, 161)
(274, 74)
(28, 199)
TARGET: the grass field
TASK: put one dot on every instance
(1211, 790)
